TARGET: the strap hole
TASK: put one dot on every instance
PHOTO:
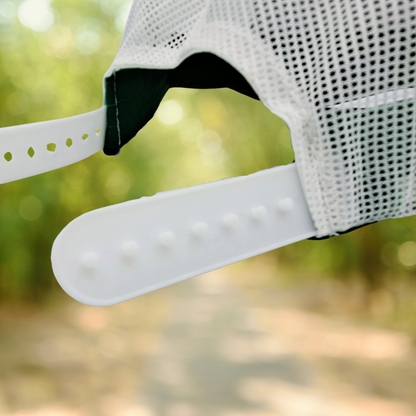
(8, 156)
(31, 152)
(69, 142)
(85, 136)
(51, 147)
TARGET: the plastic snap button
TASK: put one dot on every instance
(130, 250)
(230, 221)
(200, 229)
(285, 205)
(166, 239)
(258, 213)
(90, 261)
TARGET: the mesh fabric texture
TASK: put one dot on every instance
(340, 73)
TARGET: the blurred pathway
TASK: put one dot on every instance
(205, 364)
(218, 356)
(223, 344)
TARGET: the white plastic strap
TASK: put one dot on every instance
(126, 250)
(31, 149)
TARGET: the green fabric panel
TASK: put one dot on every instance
(205, 70)
(133, 95)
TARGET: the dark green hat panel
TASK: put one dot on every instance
(133, 95)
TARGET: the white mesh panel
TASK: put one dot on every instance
(341, 73)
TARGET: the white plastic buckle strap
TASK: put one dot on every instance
(35, 148)
(116, 253)
(120, 252)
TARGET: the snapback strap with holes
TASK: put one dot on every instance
(30, 149)
(156, 241)
(153, 242)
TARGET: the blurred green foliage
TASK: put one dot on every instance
(53, 68)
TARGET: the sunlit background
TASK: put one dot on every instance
(313, 329)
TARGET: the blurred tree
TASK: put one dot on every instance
(53, 58)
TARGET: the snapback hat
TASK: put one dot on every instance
(341, 74)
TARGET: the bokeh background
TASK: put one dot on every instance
(315, 328)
